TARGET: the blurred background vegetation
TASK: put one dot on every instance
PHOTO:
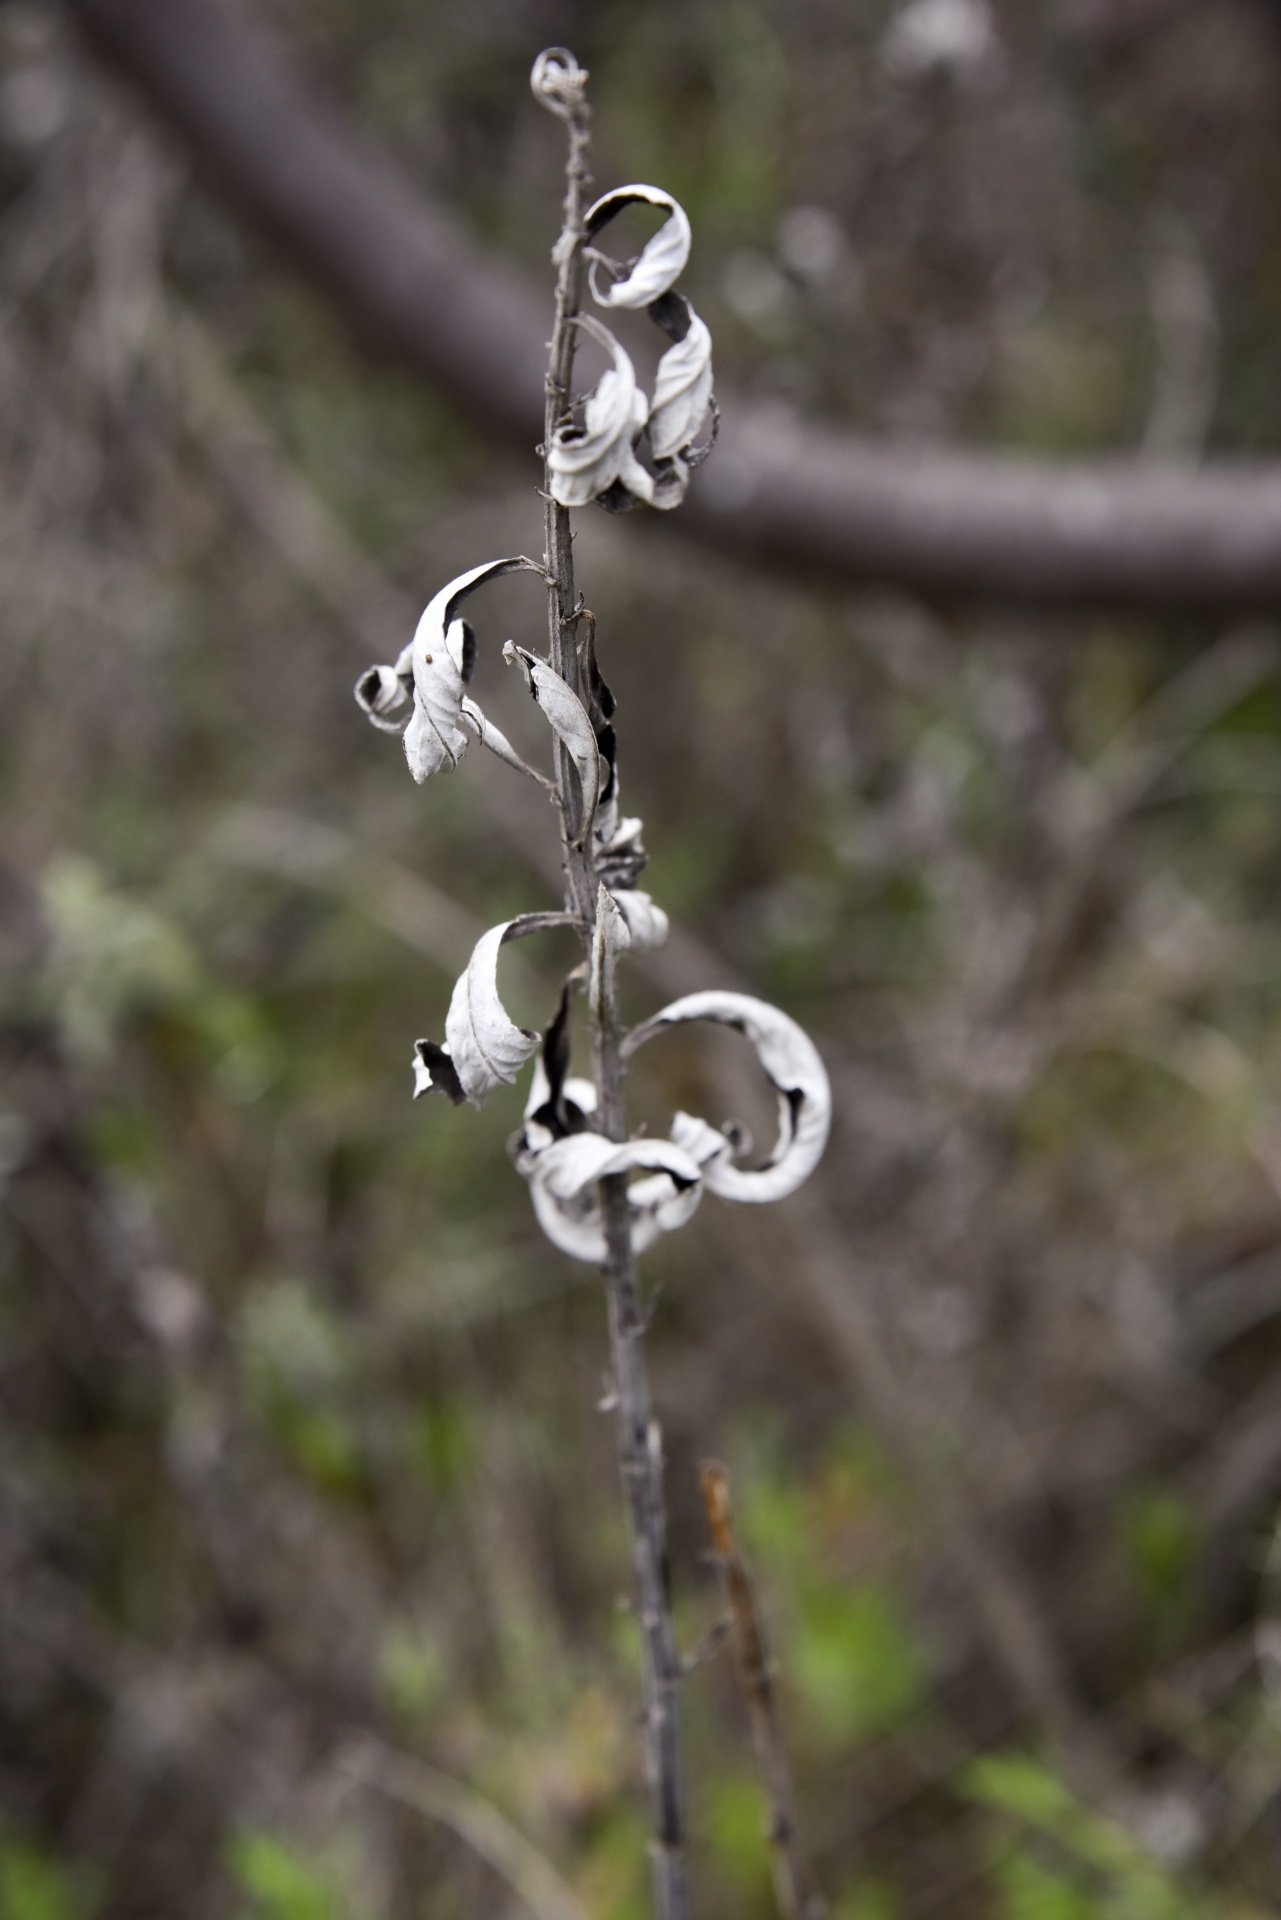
(310, 1539)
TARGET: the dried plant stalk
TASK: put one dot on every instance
(793, 1882)
(639, 1437)
(574, 1148)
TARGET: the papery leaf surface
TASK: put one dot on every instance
(662, 260)
(647, 924)
(484, 1048)
(585, 462)
(682, 391)
(620, 854)
(383, 694)
(440, 659)
(792, 1064)
(567, 718)
(563, 1180)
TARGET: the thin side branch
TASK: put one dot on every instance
(794, 1889)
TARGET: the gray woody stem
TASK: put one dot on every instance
(794, 1892)
(564, 91)
(639, 1439)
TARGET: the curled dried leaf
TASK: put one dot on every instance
(660, 263)
(440, 658)
(585, 462)
(567, 718)
(383, 694)
(620, 855)
(484, 1048)
(647, 924)
(563, 1179)
(683, 383)
(799, 1078)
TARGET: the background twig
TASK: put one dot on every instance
(793, 1885)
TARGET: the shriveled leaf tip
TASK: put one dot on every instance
(434, 1072)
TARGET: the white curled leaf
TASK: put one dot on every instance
(682, 391)
(585, 462)
(799, 1078)
(647, 924)
(661, 262)
(563, 1180)
(567, 718)
(441, 656)
(383, 694)
(484, 1048)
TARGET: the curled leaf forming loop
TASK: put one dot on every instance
(563, 1167)
(798, 1076)
(435, 667)
(662, 260)
(584, 462)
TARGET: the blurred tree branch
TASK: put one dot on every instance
(784, 494)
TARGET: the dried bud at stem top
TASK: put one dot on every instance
(559, 83)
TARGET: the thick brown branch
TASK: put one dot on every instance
(411, 285)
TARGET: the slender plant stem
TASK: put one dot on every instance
(639, 1438)
(558, 554)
